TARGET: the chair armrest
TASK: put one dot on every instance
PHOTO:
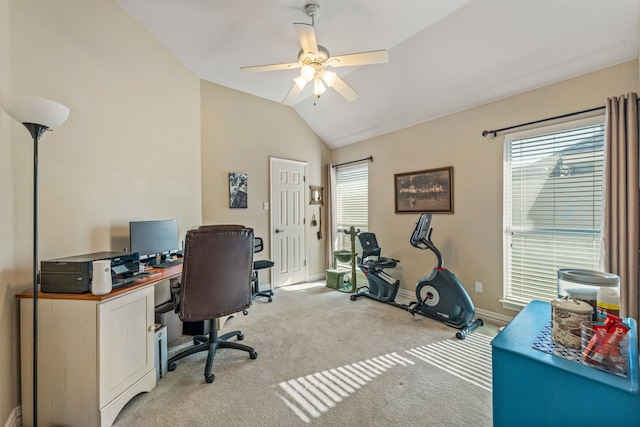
(258, 245)
(176, 295)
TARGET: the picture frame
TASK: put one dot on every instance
(238, 194)
(316, 195)
(422, 191)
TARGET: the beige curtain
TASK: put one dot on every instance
(330, 203)
(622, 206)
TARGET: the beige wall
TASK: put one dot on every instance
(471, 238)
(130, 149)
(240, 133)
(8, 274)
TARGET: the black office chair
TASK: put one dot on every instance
(258, 246)
(216, 281)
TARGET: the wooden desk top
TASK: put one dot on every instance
(162, 274)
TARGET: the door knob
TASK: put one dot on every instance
(279, 231)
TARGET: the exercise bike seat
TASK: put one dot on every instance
(370, 248)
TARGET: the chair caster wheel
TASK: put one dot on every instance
(209, 378)
(253, 355)
(240, 337)
(172, 366)
(196, 342)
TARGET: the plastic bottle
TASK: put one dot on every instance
(608, 301)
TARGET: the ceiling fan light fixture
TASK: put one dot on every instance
(329, 77)
(318, 88)
(313, 59)
(307, 72)
(300, 82)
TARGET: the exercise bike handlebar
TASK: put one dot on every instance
(421, 238)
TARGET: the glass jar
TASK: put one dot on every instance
(583, 285)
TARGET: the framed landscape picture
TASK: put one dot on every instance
(424, 191)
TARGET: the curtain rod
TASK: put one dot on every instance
(370, 158)
(495, 132)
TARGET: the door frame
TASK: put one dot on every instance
(305, 164)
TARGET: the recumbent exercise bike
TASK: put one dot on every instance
(440, 295)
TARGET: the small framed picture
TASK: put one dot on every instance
(237, 190)
(424, 191)
(316, 195)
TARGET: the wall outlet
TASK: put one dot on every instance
(478, 287)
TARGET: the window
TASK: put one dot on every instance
(552, 206)
(352, 194)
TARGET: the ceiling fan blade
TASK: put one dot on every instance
(307, 37)
(270, 67)
(362, 58)
(345, 90)
(293, 93)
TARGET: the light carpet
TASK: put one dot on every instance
(325, 360)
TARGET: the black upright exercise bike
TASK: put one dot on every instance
(440, 295)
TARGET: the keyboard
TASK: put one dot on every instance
(168, 264)
(121, 281)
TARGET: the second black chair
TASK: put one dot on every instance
(261, 264)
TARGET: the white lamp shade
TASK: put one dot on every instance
(318, 87)
(34, 109)
(300, 82)
(329, 77)
(307, 72)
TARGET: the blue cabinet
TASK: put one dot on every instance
(534, 388)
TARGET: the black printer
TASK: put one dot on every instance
(72, 275)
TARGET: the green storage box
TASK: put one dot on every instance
(337, 278)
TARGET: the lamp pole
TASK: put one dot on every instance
(36, 132)
(37, 115)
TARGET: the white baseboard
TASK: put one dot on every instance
(316, 277)
(407, 296)
(15, 418)
(495, 318)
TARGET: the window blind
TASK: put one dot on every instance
(352, 189)
(352, 199)
(552, 207)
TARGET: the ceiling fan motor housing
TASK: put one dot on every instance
(308, 58)
(312, 9)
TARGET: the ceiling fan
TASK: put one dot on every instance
(313, 60)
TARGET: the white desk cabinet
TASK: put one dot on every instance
(95, 354)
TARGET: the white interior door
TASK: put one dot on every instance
(289, 240)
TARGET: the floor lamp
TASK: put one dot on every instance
(37, 115)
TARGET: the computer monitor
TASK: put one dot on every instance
(153, 239)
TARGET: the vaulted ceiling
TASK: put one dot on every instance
(444, 55)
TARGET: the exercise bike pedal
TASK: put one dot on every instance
(359, 293)
(412, 309)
